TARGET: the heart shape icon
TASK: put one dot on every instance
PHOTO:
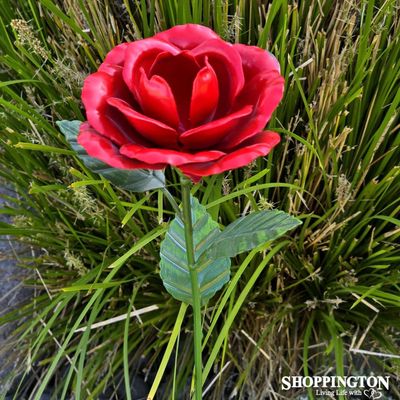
(372, 394)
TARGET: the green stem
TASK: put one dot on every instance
(187, 221)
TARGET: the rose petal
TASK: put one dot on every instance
(227, 64)
(264, 91)
(97, 88)
(99, 147)
(187, 36)
(122, 124)
(157, 100)
(179, 71)
(141, 54)
(205, 95)
(259, 145)
(115, 57)
(154, 155)
(212, 133)
(149, 128)
(256, 60)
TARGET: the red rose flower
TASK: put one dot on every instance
(183, 97)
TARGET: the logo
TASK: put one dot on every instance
(369, 387)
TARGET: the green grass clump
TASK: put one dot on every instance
(312, 304)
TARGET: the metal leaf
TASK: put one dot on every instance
(135, 180)
(213, 274)
(248, 232)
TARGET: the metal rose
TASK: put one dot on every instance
(183, 97)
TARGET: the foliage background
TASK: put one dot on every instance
(325, 295)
